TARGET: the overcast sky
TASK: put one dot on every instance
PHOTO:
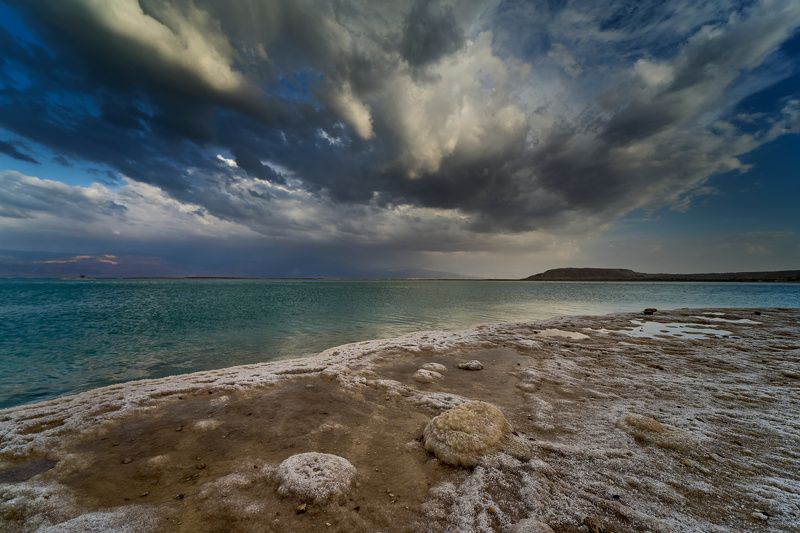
(308, 138)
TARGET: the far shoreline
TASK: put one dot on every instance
(366, 279)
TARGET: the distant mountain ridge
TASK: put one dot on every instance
(624, 274)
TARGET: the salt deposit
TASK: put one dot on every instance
(435, 367)
(471, 365)
(426, 376)
(560, 333)
(690, 428)
(316, 477)
(653, 330)
(461, 436)
(728, 320)
(531, 525)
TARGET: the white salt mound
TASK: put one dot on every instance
(464, 434)
(434, 367)
(427, 376)
(315, 476)
(471, 365)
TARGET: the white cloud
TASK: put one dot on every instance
(133, 211)
(463, 108)
(230, 163)
(352, 110)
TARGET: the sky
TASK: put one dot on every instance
(398, 138)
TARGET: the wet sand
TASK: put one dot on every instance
(682, 421)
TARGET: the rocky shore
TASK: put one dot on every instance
(681, 421)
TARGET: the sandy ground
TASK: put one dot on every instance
(687, 420)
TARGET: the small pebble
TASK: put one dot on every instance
(300, 509)
(758, 515)
(127, 460)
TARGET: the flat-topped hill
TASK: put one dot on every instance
(624, 274)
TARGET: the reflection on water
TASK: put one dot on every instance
(61, 336)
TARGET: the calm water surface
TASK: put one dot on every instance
(59, 336)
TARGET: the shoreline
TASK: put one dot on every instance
(676, 278)
(542, 374)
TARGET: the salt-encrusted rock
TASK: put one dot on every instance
(471, 365)
(435, 367)
(426, 376)
(462, 435)
(313, 476)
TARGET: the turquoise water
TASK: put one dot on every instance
(59, 337)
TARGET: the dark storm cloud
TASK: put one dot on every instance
(576, 127)
(430, 32)
(102, 96)
(11, 150)
(249, 161)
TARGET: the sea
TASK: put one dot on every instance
(64, 336)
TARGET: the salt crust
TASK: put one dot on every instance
(434, 367)
(471, 365)
(749, 401)
(728, 320)
(314, 476)
(559, 333)
(531, 525)
(461, 436)
(86, 411)
(130, 519)
(207, 424)
(426, 376)
(233, 495)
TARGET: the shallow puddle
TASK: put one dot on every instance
(652, 330)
